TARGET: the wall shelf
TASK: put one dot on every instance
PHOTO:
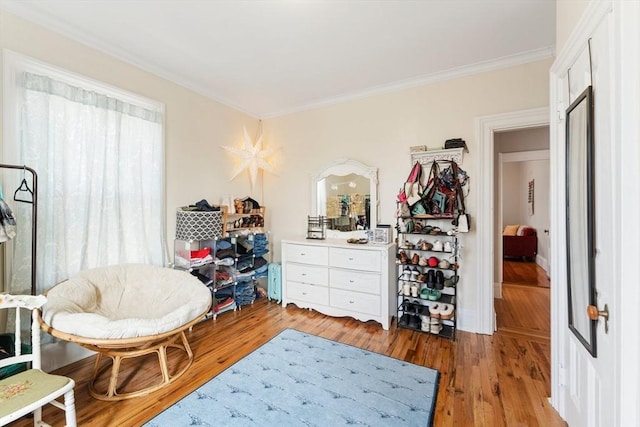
(427, 157)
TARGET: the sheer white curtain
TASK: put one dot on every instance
(100, 164)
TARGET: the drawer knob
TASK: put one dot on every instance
(350, 259)
(351, 301)
(351, 281)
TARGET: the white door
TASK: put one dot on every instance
(586, 390)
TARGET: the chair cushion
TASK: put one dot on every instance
(125, 301)
(23, 389)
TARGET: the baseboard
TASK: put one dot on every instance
(466, 320)
(543, 263)
(61, 353)
(497, 290)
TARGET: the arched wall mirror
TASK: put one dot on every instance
(346, 192)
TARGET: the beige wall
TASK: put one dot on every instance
(568, 13)
(196, 126)
(379, 131)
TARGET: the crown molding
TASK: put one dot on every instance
(45, 20)
(440, 76)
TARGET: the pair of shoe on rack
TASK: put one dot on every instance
(410, 320)
(441, 310)
(430, 324)
(402, 257)
(415, 259)
(424, 245)
(430, 294)
(410, 273)
(408, 245)
(435, 279)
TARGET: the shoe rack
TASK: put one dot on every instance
(427, 262)
(245, 222)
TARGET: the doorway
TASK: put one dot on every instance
(522, 291)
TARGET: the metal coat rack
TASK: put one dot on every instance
(25, 194)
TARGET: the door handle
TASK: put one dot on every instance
(594, 313)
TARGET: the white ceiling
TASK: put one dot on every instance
(273, 57)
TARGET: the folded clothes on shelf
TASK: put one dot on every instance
(244, 247)
(225, 253)
(260, 244)
(198, 262)
(194, 262)
(261, 267)
(245, 293)
(222, 245)
(225, 305)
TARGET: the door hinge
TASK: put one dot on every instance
(562, 376)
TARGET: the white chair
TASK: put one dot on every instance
(28, 391)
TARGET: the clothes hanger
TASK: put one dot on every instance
(24, 188)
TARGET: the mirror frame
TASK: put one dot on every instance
(580, 224)
(343, 167)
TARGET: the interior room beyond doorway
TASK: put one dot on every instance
(522, 303)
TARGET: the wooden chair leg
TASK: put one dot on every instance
(186, 346)
(162, 359)
(113, 380)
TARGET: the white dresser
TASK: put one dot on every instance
(340, 279)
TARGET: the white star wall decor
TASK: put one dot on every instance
(252, 157)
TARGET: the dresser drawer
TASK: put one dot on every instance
(308, 293)
(355, 301)
(355, 259)
(307, 274)
(351, 280)
(316, 255)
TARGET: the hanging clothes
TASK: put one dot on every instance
(7, 221)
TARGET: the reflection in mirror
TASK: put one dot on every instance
(346, 201)
(580, 222)
(346, 193)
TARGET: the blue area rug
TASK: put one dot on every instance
(298, 379)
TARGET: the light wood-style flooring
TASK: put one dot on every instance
(521, 272)
(490, 381)
(525, 307)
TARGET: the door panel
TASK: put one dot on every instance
(589, 383)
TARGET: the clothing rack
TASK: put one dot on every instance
(34, 214)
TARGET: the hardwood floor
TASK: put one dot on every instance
(489, 381)
(525, 307)
(524, 310)
(522, 272)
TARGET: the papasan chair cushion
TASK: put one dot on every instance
(125, 301)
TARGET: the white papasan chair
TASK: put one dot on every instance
(127, 311)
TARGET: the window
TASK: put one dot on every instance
(99, 155)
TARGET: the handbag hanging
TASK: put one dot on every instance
(463, 219)
(412, 188)
(440, 196)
